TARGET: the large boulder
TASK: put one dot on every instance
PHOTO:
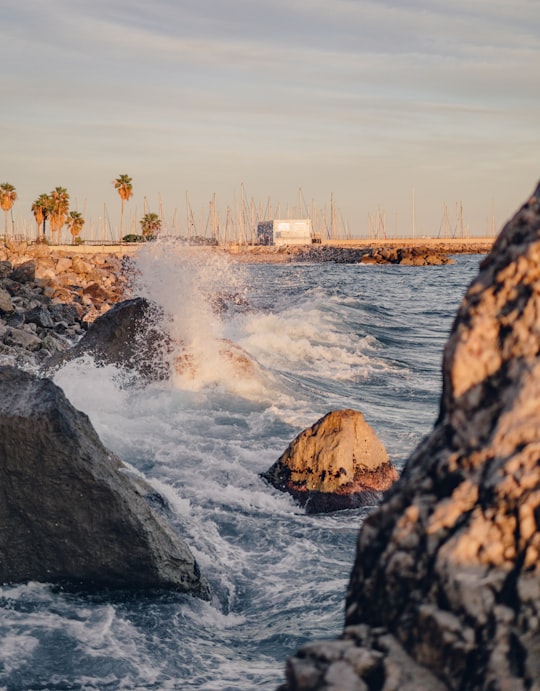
(70, 511)
(337, 463)
(130, 336)
(445, 590)
(133, 336)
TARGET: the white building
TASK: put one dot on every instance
(296, 231)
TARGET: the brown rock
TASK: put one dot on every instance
(63, 264)
(80, 266)
(96, 292)
(6, 305)
(337, 463)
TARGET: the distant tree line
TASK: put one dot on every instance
(54, 208)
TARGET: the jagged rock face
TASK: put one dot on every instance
(448, 567)
(337, 463)
(70, 512)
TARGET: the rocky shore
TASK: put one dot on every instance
(49, 297)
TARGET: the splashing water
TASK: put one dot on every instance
(317, 337)
(195, 288)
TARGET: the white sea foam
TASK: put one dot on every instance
(15, 649)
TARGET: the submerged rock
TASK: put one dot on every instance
(71, 512)
(445, 589)
(338, 463)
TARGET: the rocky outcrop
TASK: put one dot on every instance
(445, 590)
(411, 256)
(338, 463)
(71, 513)
(405, 256)
(48, 299)
(130, 336)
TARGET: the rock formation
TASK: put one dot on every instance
(128, 335)
(445, 590)
(412, 256)
(338, 463)
(48, 298)
(70, 512)
(405, 256)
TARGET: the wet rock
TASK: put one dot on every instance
(448, 567)
(128, 335)
(338, 463)
(40, 316)
(70, 512)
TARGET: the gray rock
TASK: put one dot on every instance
(40, 316)
(70, 512)
(22, 339)
(6, 303)
(128, 335)
(5, 268)
(24, 272)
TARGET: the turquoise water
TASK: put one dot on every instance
(317, 338)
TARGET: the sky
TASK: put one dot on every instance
(421, 113)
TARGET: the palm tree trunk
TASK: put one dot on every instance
(121, 217)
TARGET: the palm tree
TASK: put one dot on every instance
(59, 209)
(75, 224)
(150, 226)
(125, 190)
(41, 210)
(7, 197)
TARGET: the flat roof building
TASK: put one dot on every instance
(295, 231)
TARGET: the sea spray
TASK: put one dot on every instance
(195, 287)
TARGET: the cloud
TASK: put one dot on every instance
(332, 90)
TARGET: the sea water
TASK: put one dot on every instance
(271, 348)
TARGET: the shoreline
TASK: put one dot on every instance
(359, 250)
(288, 253)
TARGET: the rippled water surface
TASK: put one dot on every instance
(317, 338)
